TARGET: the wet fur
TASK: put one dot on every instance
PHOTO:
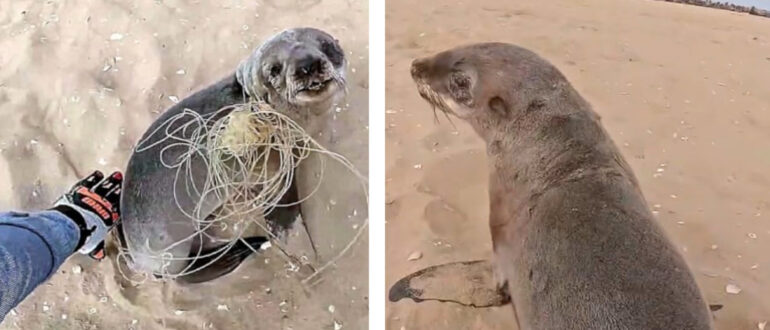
(572, 234)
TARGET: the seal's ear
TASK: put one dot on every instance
(333, 51)
(498, 106)
(461, 86)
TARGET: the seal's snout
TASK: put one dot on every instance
(308, 66)
(418, 69)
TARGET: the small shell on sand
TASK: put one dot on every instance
(732, 289)
(416, 255)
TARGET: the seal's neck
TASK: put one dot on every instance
(545, 147)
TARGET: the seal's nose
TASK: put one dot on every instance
(418, 68)
(308, 66)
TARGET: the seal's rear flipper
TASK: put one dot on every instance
(217, 265)
(468, 283)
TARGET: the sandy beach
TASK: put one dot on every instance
(81, 80)
(683, 91)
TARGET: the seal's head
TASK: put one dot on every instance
(485, 84)
(301, 68)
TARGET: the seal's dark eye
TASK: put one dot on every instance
(460, 87)
(333, 51)
(275, 70)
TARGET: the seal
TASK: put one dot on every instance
(573, 237)
(299, 72)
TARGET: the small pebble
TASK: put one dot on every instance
(77, 269)
(180, 72)
(331, 309)
(761, 325)
(223, 308)
(92, 310)
(173, 99)
(64, 316)
(178, 312)
(732, 289)
(116, 36)
(337, 325)
(752, 235)
(418, 166)
(265, 246)
(416, 255)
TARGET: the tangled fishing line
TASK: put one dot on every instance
(250, 153)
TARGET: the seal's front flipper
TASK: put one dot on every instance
(468, 283)
(212, 265)
(283, 216)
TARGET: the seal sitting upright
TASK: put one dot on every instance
(574, 240)
(298, 72)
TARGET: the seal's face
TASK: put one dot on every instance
(449, 81)
(481, 81)
(297, 68)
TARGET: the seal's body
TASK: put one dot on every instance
(299, 72)
(573, 237)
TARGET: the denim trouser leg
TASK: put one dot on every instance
(32, 247)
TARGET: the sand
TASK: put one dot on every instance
(683, 91)
(81, 80)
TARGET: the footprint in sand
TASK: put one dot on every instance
(443, 219)
(459, 178)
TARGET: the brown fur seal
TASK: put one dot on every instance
(299, 72)
(573, 237)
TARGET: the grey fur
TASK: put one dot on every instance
(152, 220)
(572, 234)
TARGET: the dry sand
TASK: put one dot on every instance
(79, 83)
(683, 91)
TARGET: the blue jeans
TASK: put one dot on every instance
(32, 247)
